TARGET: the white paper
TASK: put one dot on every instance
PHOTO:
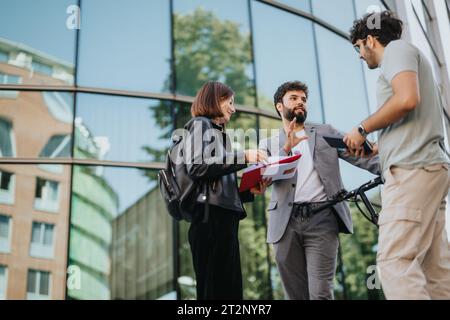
(280, 171)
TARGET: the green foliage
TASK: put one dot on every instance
(358, 253)
(207, 48)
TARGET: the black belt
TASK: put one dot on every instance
(306, 209)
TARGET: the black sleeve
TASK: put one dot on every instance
(198, 146)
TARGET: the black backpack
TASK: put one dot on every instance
(177, 188)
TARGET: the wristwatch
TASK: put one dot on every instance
(362, 131)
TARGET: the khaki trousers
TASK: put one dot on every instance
(413, 250)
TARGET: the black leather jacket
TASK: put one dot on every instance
(220, 178)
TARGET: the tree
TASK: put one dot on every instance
(206, 48)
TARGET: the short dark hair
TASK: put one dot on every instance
(390, 27)
(285, 88)
(208, 99)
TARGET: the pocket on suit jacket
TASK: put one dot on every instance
(272, 205)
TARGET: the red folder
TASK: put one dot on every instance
(253, 177)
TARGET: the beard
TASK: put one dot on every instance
(291, 114)
(370, 59)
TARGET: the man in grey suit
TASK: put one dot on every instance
(306, 244)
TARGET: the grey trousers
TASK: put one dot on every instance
(306, 256)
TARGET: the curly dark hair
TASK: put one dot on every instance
(288, 86)
(385, 26)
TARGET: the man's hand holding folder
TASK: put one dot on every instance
(277, 168)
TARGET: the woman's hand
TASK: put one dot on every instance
(255, 156)
(261, 187)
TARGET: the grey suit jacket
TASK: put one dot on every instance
(326, 163)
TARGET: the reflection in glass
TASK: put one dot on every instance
(345, 102)
(7, 184)
(303, 5)
(254, 252)
(242, 131)
(36, 124)
(212, 42)
(3, 281)
(7, 148)
(35, 42)
(338, 13)
(5, 233)
(294, 56)
(38, 203)
(42, 240)
(269, 126)
(47, 195)
(120, 235)
(60, 105)
(125, 46)
(38, 287)
(57, 146)
(121, 129)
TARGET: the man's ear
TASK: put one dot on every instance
(279, 107)
(371, 42)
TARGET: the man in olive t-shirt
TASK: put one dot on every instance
(413, 256)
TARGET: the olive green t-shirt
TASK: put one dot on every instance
(417, 140)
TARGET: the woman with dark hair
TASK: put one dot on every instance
(213, 234)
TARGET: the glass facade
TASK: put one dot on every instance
(80, 209)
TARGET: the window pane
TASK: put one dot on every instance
(39, 187)
(345, 101)
(122, 129)
(338, 13)
(30, 121)
(5, 181)
(4, 227)
(6, 143)
(9, 79)
(57, 146)
(44, 283)
(48, 235)
(52, 190)
(125, 47)
(121, 235)
(42, 49)
(3, 56)
(295, 58)
(31, 282)
(212, 42)
(36, 233)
